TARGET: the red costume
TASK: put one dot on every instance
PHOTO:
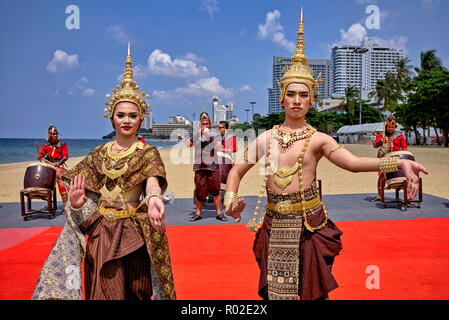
(396, 141)
(57, 153)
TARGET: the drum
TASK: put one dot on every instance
(40, 175)
(395, 179)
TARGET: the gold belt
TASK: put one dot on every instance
(112, 214)
(287, 207)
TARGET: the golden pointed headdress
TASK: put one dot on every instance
(299, 71)
(204, 116)
(127, 91)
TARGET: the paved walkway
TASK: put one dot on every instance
(350, 207)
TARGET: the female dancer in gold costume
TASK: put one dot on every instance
(114, 199)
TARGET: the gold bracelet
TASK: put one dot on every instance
(72, 208)
(230, 197)
(388, 164)
(152, 194)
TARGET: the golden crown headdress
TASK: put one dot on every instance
(127, 91)
(299, 71)
(204, 115)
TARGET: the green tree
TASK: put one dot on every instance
(428, 100)
(403, 71)
(429, 62)
(387, 92)
(269, 121)
(351, 101)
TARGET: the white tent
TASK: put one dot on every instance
(363, 128)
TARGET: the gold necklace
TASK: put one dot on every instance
(286, 140)
(283, 176)
(121, 155)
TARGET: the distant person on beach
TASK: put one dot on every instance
(56, 151)
(391, 140)
(224, 151)
(296, 243)
(207, 174)
(127, 255)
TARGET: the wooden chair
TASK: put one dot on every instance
(403, 203)
(39, 183)
(38, 193)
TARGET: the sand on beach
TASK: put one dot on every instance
(178, 164)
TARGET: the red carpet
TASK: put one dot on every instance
(216, 262)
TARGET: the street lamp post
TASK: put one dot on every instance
(252, 107)
(247, 110)
(360, 51)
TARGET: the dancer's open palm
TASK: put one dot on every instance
(77, 193)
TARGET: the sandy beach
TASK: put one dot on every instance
(178, 163)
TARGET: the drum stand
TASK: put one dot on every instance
(402, 203)
(38, 193)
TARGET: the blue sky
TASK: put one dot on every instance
(183, 52)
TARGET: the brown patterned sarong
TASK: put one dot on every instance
(283, 246)
(112, 247)
(206, 181)
(119, 257)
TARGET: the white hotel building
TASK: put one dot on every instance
(346, 66)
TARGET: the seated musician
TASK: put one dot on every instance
(392, 141)
(56, 152)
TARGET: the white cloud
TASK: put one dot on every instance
(429, 5)
(274, 31)
(192, 57)
(210, 6)
(245, 88)
(81, 84)
(118, 34)
(88, 92)
(161, 63)
(205, 87)
(62, 62)
(354, 36)
(356, 33)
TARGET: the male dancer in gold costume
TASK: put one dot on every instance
(296, 243)
(127, 255)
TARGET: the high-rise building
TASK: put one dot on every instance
(148, 121)
(221, 112)
(350, 68)
(279, 63)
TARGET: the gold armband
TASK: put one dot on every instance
(336, 148)
(388, 164)
(245, 154)
(246, 158)
(230, 197)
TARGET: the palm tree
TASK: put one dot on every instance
(387, 92)
(403, 71)
(429, 62)
(350, 103)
